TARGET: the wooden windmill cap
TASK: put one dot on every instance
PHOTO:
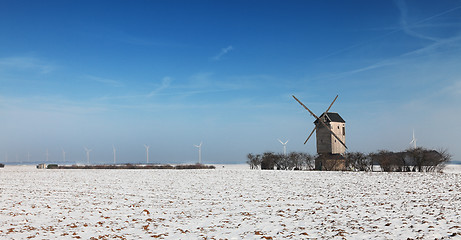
(331, 117)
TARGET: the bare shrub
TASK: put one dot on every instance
(358, 161)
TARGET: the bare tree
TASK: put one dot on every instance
(388, 161)
(415, 159)
(425, 160)
(254, 161)
(268, 161)
(358, 161)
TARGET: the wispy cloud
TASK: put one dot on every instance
(454, 89)
(164, 85)
(223, 52)
(409, 28)
(106, 81)
(26, 63)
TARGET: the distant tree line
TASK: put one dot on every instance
(411, 160)
(292, 161)
(132, 166)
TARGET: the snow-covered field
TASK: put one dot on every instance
(228, 203)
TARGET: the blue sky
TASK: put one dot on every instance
(171, 74)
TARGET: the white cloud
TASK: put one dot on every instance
(223, 52)
(165, 84)
(26, 63)
(107, 81)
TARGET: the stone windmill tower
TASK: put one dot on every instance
(330, 130)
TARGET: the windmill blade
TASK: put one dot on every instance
(331, 104)
(313, 130)
(305, 107)
(325, 125)
(320, 120)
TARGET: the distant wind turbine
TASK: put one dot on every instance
(413, 140)
(113, 147)
(47, 155)
(199, 152)
(147, 152)
(88, 155)
(284, 147)
(63, 155)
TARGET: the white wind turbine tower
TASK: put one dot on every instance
(284, 147)
(88, 155)
(199, 152)
(147, 152)
(113, 147)
(413, 140)
(63, 155)
(47, 155)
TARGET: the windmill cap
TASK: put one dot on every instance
(332, 117)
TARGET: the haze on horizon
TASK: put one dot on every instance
(171, 74)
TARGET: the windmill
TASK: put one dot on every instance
(284, 147)
(199, 152)
(330, 130)
(147, 153)
(413, 140)
(88, 155)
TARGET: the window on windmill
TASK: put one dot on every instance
(344, 130)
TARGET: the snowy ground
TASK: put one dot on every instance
(228, 203)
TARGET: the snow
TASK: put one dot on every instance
(228, 203)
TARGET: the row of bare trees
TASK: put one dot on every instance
(292, 161)
(411, 160)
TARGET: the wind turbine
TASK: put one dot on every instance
(199, 152)
(147, 152)
(88, 155)
(113, 147)
(63, 155)
(413, 140)
(47, 155)
(284, 146)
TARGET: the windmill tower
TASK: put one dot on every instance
(330, 130)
